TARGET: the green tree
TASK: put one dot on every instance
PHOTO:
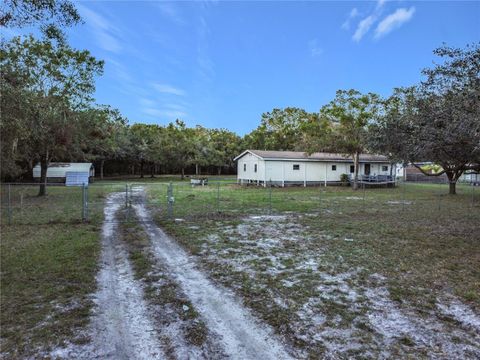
(104, 135)
(225, 146)
(50, 15)
(438, 120)
(350, 114)
(280, 129)
(179, 145)
(55, 82)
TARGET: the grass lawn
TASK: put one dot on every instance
(48, 266)
(321, 265)
(324, 265)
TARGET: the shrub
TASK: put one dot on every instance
(345, 179)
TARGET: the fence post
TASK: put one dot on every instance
(218, 197)
(126, 195)
(83, 204)
(170, 200)
(473, 194)
(270, 197)
(403, 195)
(320, 197)
(9, 209)
(363, 183)
(86, 202)
(127, 212)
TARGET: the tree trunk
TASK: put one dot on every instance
(197, 169)
(102, 163)
(43, 176)
(219, 170)
(356, 161)
(452, 182)
(452, 188)
(183, 174)
(141, 169)
(152, 171)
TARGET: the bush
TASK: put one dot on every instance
(345, 179)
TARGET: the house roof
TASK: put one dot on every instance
(319, 156)
(59, 169)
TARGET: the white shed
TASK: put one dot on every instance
(58, 171)
(298, 168)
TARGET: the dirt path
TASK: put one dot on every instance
(121, 325)
(239, 333)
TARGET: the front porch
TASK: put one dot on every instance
(375, 180)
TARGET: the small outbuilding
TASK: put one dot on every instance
(283, 168)
(72, 174)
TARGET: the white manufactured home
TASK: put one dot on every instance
(283, 168)
(68, 173)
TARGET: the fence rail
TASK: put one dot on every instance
(20, 203)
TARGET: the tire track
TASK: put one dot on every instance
(240, 334)
(121, 325)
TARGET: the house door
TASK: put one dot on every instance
(367, 169)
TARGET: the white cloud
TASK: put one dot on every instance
(314, 48)
(107, 35)
(380, 3)
(206, 66)
(170, 11)
(393, 21)
(170, 114)
(353, 14)
(363, 27)
(146, 102)
(168, 89)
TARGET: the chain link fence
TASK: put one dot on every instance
(20, 203)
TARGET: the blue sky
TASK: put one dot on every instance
(222, 64)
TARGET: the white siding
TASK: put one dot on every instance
(248, 162)
(58, 170)
(282, 171)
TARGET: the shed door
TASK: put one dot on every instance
(367, 169)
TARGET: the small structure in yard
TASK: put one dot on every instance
(414, 174)
(283, 168)
(72, 174)
(470, 177)
(199, 181)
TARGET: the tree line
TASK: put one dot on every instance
(48, 114)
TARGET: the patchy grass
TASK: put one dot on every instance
(22, 206)
(48, 266)
(343, 273)
(48, 272)
(178, 322)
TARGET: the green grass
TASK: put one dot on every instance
(48, 273)
(49, 259)
(60, 205)
(424, 242)
(160, 290)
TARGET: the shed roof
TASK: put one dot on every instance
(319, 156)
(59, 169)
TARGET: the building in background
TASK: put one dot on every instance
(72, 174)
(283, 168)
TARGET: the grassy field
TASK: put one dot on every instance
(48, 266)
(318, 264)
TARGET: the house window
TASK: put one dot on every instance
(352, 169)
(255, 167)
(334, 167)
(244, 167)
(384, 168)
(296, 167)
